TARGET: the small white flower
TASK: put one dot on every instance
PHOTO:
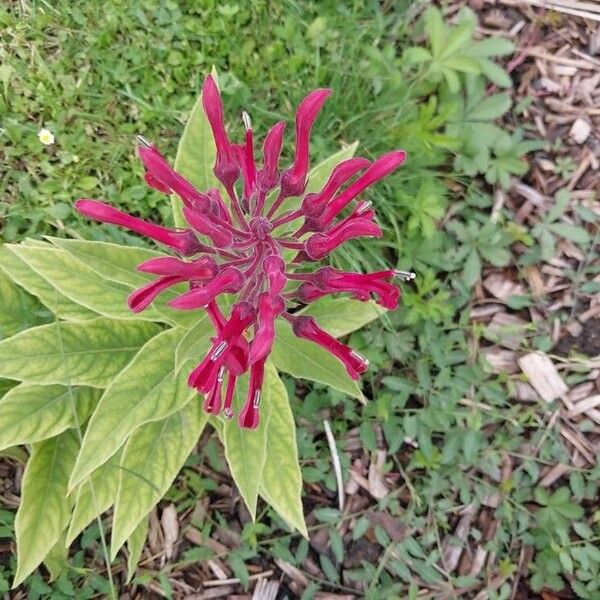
(46, 137)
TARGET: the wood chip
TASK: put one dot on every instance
(292, 572)
(219, 582)
(524, 392)
(217, 592)
(154, 533)
(485, 310)
(593, 414)
(265, 590)
(217, 567)
(170, 528)
(501, 361)
(578, 440)
(584, 406)
(501, 286)
(543, 376)
(555, 473)
(580, 131)
(536, 282)
(377, 486)
(507, 330)
(451, 550)
(529, 193)
(355, 473)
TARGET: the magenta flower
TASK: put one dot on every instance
(244, 243)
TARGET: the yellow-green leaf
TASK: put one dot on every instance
(151, 460)
(341, 316)
(18, 308)
(80, 283)
(195, 343)
(94, 496)
(16, 453)
(119, 263)
(245, 449)
(113, 261)
(281, 483)
(87, 353)
(195, 157)
(320, 173)
(56, 560)
(44, 510)
(146, 390)
(135, 545)
(30, 413)
(22, 274)
(306, 360)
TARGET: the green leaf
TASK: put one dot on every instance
(56, 560)
(416, 55)
(245, 449)
(463, 64)
(86, 353)
(95, 496)
(566, 561)
(18, 308)
(495, 73)
(146, 390)
(43, 514)
(301, 358)
(435, 30)
(472, 268)
(492, 107)
(281, 484)
(151, 460)
(113, 261)
(30, 413)
(195, 343)
(135, 546)
(329, 568)
(341, 316)
(319, 174)
(452, 81)
(491, 46)
(32, 282)
(119, 263)
(195, 157)
(16, 453)
(579, 235)
(87, 183)
(460, 36)
(80, 283)
(561, 202)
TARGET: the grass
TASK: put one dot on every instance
(98, 78)
(97, 74)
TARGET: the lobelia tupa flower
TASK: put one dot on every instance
(237, 246)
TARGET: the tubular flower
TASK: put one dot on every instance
(237, 246)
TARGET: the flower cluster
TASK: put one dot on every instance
(237, 246)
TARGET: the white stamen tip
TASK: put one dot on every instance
(363, 207)
(405, 275)
(219, 350)
(247, 120)
(228, 413)
(360, 357)
(221, 374)
(256, 400)
(142, 141)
